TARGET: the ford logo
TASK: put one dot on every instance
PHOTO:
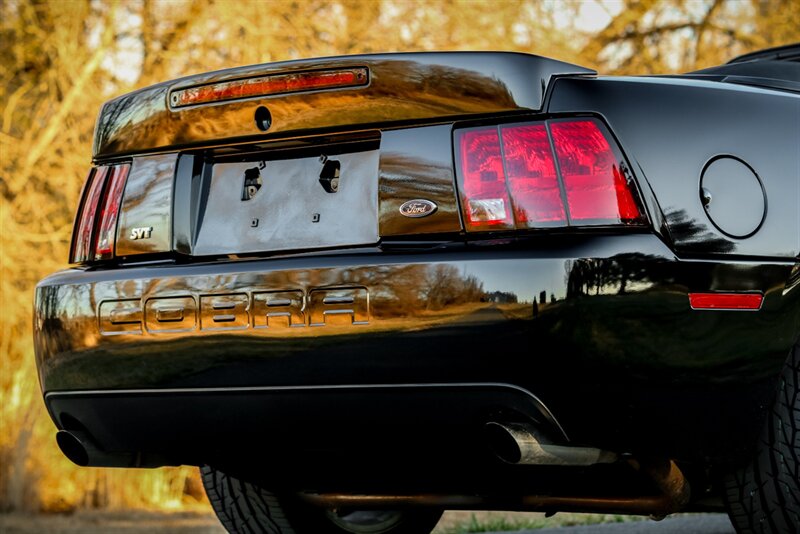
(418, 207)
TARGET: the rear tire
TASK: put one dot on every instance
(244, 508)
(764, 496)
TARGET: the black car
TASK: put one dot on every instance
(357, 291)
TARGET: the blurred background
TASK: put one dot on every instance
(60, 60)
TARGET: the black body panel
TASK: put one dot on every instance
(790, 52)
(418, 437)
(417, 163)
(403, 87)
(672, 128)
(321, 365)
(606, 311)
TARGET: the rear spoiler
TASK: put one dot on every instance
(790, 52)
(773, 68)
(398, 88)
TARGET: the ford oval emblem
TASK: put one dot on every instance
(419, 207)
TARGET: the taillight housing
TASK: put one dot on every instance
(95, 230)
(554, 173)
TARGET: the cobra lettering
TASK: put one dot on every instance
(248, 310)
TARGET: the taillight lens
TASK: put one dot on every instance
(486, 199)
(94, 235)
(597, 190)
(550, 173)
(107, 219)
(532, 177)
(84, 220)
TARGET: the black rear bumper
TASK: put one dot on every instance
(599, 328)
(427, 422)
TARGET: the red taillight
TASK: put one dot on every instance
(487, 204)
(597, 190)
(94, 235)
(275, 84)
(725, 301)
(532, 177)
(589, 186)
(107, 229)
(84, 222)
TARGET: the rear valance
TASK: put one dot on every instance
(400, 88)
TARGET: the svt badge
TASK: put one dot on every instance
(419, 207)
(141, 233)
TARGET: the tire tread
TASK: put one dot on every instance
(764, 496)
(245, 508)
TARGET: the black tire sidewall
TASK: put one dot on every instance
(243, 507)
(764, 496)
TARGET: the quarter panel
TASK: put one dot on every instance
(671, 128)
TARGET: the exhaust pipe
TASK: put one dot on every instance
(79, 447)
(666, 476)
(522, 444)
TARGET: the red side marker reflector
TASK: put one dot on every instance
(725, 301)
(275, 84)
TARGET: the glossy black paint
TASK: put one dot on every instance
(417, 163)
(297, 412)
(672, 128)
(330, 438)
(420, 337)
(403, 87)
(598, 346)
(188, 188)
(147, 203)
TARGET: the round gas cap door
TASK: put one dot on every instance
(733, 197)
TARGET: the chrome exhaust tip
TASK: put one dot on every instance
(523, 444)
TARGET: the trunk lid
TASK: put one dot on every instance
(336, 164)
(400, 88)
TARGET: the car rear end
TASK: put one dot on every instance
(351, 264)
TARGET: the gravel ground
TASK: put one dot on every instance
(107, 522)
(688, 524)
(206, 523)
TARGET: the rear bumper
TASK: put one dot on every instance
(287, 426)
(611, 346)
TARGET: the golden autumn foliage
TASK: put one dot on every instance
(61, 60)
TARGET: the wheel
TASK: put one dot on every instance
(764, 496)
(243, 507)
